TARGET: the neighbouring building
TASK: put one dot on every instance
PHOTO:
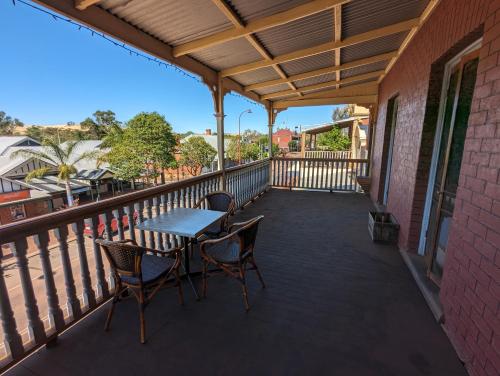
(283, 137)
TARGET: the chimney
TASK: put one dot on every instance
(208, 132)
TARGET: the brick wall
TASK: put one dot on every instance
(453, 21)
(470, 290)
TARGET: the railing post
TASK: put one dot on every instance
(11, 338)
(88, 293)
(72, 303)
(35, 325)
(56, 316)
(101, 287)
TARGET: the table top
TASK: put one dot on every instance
(186, 222)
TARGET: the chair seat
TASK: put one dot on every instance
(225, 252)
(153, 267)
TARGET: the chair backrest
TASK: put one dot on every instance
(123, 256)
(248, 234)
(220, 201)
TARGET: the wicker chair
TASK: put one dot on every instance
(232, 254)
(221, 201)
(143, 271)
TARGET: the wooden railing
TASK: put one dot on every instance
(42, 304)
(328, 154)
(318, 174)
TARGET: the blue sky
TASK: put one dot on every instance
(52, 73)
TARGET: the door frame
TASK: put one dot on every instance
(450, 65)
(390, 151)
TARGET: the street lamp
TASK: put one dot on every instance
(249, 111)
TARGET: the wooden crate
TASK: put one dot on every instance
(383, 227)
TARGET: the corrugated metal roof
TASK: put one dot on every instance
(174, 22)
(228, 54)
(299, 34)
(362, 69)
(310, 63)
(250, 10)
(316, 80)
(259, 75)
(373, 47)
(359, 82)
(359, 16)
(272, 89)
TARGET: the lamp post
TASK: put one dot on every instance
(249, 111)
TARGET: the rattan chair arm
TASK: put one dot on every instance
(240, 225)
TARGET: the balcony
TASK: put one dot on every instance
(335, 302)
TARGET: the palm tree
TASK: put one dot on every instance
(63, 156)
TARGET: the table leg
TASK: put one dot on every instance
(187, 269)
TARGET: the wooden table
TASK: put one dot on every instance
(187, 223)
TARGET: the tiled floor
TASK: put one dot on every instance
(336, 304)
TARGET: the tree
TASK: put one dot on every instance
(61, 135)
(248, 150)
(196, 153)
(334, 140)
(340, 113)
(101, 123)
(8, 124)
(62, 156)
(145, 146)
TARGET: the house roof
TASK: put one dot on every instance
(281, 53)
(7, 142)
(52, 184)
(321, 128)
(211, 139)
(94, 174)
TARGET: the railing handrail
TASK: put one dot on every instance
(29, 226)
(320, 159)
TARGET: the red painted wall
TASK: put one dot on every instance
(470, 289)
(13, 196)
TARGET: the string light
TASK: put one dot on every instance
(123, 46)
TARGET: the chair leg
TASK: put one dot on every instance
(244, 287)
(142, 306)
(179, 287)
(258, 273)
(116, 298)
(204, 277)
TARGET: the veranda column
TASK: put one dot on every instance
(218, 96)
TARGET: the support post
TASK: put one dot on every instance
(218, 97)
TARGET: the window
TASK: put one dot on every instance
(17, 212)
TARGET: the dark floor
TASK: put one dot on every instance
(336, 304)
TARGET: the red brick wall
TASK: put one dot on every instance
(451, 21)
(470, 290)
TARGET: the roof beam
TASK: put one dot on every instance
(238, 23)
(337, 37)
(325, 47)
(323, 85)
(84, 4)
(368, 88)
(322, 71)
(359, 99)
(103, 21)
(423, 17)
(264, 23)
